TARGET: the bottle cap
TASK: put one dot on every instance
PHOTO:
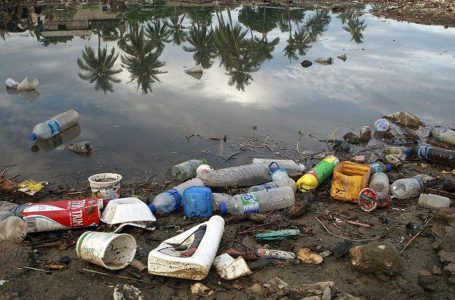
(32, 136)
(152, 208)
(223, 208)
(408, 150)
(388, 167)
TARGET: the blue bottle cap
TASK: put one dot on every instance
(408, 150)
(388, 167)
(152, 208)
(32, 136)
(223, 208)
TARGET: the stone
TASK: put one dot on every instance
(257, 289)
(426, 280)
(305, 255)
(306, 63)
(127, 292)
(342, 57)
(342, 249)
(201, 290)
(371, 258)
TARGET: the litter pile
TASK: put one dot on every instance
(275, 194)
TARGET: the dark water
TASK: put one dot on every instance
(138, 106)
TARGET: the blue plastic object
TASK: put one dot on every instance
(197, 202)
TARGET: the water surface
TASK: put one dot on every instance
(123, 71)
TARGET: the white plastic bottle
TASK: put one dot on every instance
(246, 175)
(55, 125)
(379, 183)
(187, 169)
(171, 200)
(13, 229)
(433, 201)
(407, 188)
(287, 164)
(261, 201)
(280, 178)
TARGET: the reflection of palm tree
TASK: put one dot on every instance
(158, 33)
(202, 44)
(141, 59)
(99, 69)
(355, 26)
(177, 29)
(262, 49)
(235, 52)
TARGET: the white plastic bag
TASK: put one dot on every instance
(29, 83)
(11, 83)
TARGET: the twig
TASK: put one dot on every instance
(357, 223)
(34, 269)
(416, 235)
(343, 237)
(116, 276)
(254, 228)
(232, 155)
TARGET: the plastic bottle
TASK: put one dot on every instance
(407, 187)
(261, 201)
(287, 164)
(171, 200)
(54, 125)
(433, 154)
(218, 198)
(433, 201)
(187, 169)
(379, 183)
(444, 135)
(312, 179)
(280, 178)
(380, 167)
(13, 229)
(246, 175)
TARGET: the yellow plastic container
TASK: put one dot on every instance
(348, 180)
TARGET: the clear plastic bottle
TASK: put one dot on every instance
(187, 169)
(246, 175)
(444, 135)
(54, 125)
(218, 198)
(379, 183)
(13, 229)
(433, 201)
(287, 164)
(407, 188)
(380, 167)
(171, 200)
(280, 178)
(261, 201)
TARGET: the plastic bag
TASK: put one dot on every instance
(11, 83)
(29, 83)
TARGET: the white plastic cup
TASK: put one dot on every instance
(105, 186)
(110, 250)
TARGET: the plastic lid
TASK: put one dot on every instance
(223, 208)
(32, 136)
(408, 150)
(152, 208)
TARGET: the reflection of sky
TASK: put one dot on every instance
(399, 66)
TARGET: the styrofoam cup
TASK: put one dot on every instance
(110, 250)
(105, 185)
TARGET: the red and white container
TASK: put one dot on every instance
(62, 214)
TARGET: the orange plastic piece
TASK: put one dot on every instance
(348, 180)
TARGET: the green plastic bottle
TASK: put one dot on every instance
(312, 179)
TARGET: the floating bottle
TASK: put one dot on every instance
(312, 179)
(187, 169)
(55, 125)
(246, 175)
(280, 178)
(287, 164)
(171, 200)
(407, 187)
(261, 201)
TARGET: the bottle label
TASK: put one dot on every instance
(173, 193)
(54, 126)
(250, 203)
